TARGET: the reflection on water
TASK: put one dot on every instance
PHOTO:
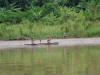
(50, 61)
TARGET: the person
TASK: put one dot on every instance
(48, 41)
(32, 40)
(40, 41)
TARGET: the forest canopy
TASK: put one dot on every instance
(23, 3)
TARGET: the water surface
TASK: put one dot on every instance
(51, 61)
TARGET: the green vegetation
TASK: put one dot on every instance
(51, 61)
(20, 19)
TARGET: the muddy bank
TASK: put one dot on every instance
(62, 42)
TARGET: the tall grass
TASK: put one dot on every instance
(39, 22)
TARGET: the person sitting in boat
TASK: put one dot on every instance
(48, 41)
(40, 41)
(32, 40)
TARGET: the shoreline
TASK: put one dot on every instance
(62, 42)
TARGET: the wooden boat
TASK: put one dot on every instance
(54, 43)
(31, 44)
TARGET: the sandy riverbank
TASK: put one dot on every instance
(62, 42)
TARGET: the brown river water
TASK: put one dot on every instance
(57, 60)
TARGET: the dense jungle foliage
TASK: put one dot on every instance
(42, 18)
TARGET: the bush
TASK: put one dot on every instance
(8, 16)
